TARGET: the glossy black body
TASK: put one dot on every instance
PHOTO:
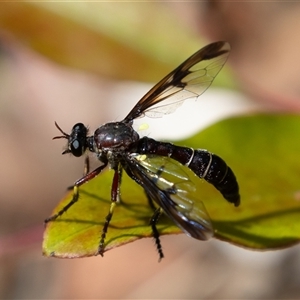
(118, 145)
(203, 163)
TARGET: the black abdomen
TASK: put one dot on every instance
(214, 170)
(203, 163)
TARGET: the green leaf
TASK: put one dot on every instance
(262, 150)
(77, 232)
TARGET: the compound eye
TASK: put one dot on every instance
(79, 128)
(77, 148)
(77, 140)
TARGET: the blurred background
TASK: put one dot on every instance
(91, 62)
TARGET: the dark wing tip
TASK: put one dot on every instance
(215, 49)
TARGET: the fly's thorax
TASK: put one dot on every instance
(114, 137)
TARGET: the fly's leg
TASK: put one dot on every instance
(153, 221)
(86, 170)
(115, 195)
(150, 202)
(75, 197)
(157, 213)
(120, 171)
(86, 167)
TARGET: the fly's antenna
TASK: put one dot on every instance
(64, 136)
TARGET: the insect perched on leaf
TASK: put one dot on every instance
(158, 166)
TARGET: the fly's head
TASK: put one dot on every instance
(78, 141)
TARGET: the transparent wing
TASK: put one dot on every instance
(189, 80)
(168, 184)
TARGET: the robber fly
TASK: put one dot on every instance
(158, 166)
